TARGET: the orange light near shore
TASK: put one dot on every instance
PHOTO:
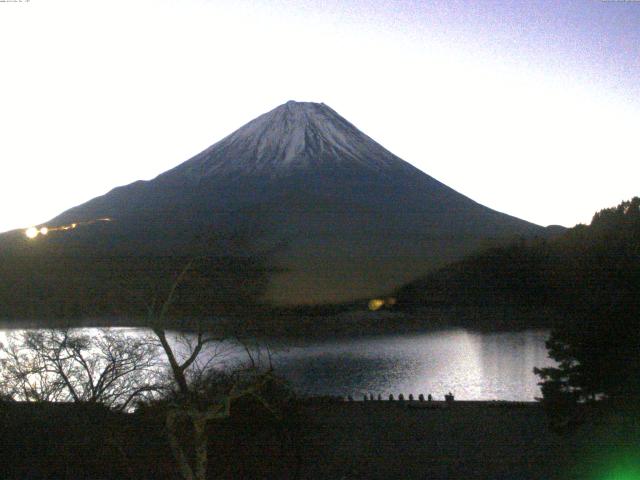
(31, 232)
(375, 304)
(378, 303)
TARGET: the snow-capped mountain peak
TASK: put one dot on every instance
(291, 138)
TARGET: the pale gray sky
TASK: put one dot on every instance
(531, 108)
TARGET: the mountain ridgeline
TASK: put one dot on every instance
(296, 207)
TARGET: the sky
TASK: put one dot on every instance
(531, 108)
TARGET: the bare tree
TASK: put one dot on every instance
(202, 392)
(108, 367)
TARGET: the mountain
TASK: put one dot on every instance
(340, 216)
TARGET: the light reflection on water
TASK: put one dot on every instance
(472, 365)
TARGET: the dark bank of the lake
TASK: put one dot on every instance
(470, 440)
(323, 323)
(328, 440)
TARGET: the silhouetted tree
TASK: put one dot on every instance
(597, 346)
(200, 392)
(108, 367)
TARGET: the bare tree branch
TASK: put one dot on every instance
(68, 365)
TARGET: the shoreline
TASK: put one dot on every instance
(291, 325)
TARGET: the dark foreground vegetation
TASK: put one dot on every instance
(325, 439)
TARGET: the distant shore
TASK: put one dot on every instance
(294, 324)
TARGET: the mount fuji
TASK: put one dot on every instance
(343, 217)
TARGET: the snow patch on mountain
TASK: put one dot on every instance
(292, 138)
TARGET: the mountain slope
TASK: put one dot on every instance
(342, 216)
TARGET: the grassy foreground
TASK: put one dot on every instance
(327, 440)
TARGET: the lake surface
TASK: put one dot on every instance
(472, 365)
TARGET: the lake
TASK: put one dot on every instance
(472, 365)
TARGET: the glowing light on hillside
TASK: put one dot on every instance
(33, 232)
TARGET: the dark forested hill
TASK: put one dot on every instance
(586, 268)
